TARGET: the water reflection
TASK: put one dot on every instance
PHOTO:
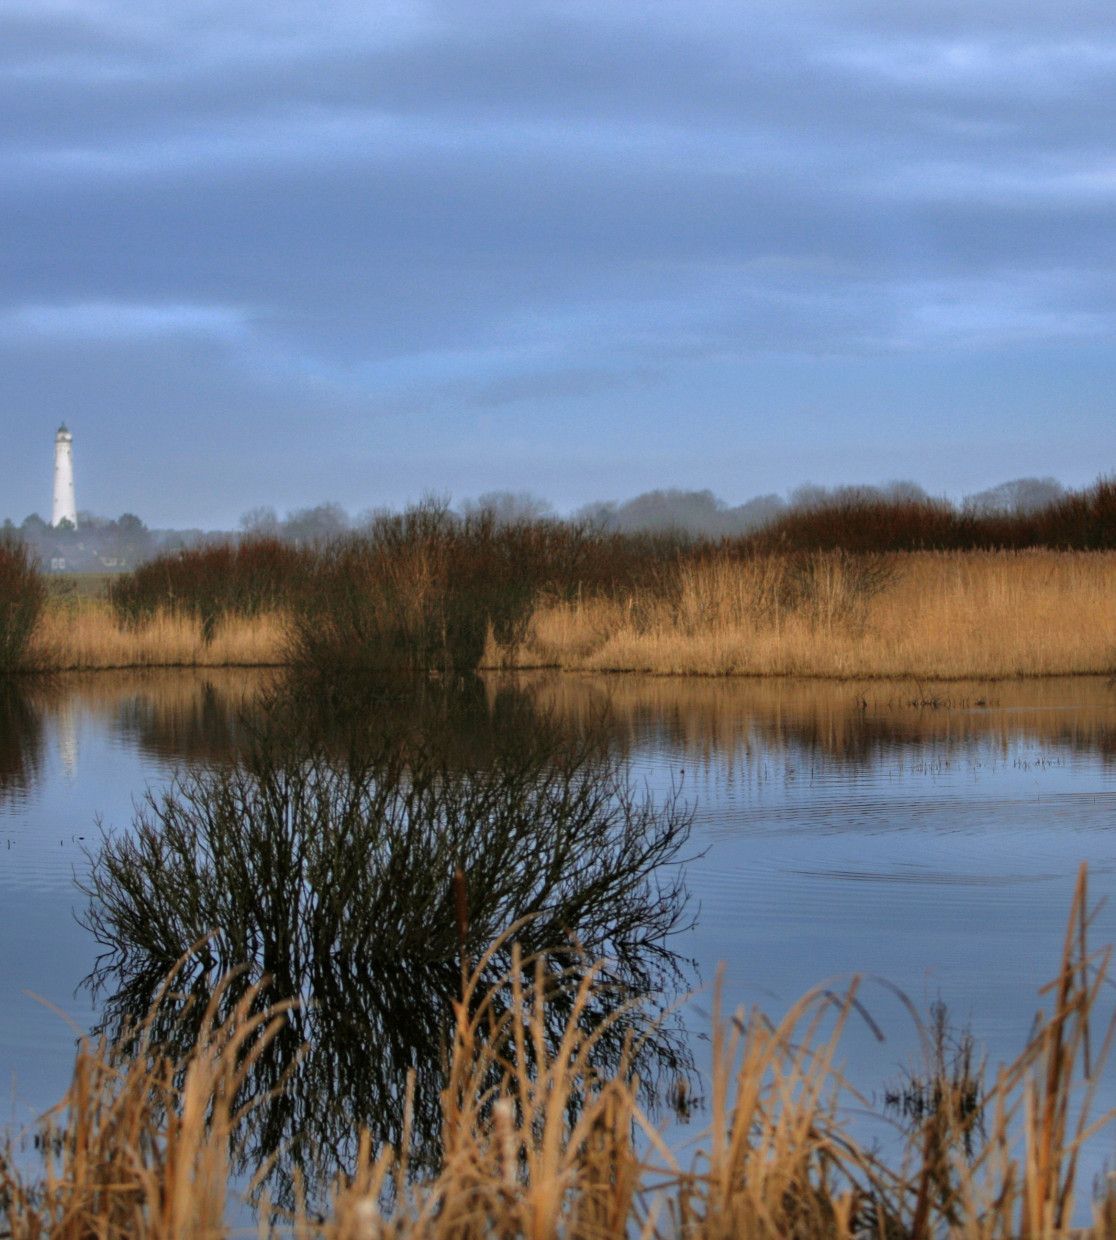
(21, 739)
(176, 718)
(927, 834)
(323, 859)
(856, 724)
(200, 716)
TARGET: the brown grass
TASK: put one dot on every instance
(922, 615)
(950, 615)
(140, 1145)
(85, 635)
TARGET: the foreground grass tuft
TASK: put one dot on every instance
(536, 1144)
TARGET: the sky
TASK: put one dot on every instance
(280, 252)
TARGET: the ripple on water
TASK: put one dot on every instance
(934, 848)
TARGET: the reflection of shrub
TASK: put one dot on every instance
(334, 879)
(22, 596)
(21, 739)
(536, 1142)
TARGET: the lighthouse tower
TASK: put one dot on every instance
(64, 509)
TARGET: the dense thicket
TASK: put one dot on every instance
(256, 575)
(1079, 520)
(426, 588)
(22, 596)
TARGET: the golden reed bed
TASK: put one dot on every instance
(535, 1145)
(87, 637)
(952, 615)
(938, 616)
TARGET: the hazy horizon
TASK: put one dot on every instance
(268, 254)
(699, 512)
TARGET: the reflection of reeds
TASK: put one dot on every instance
(849, 721)
(536, 1143)
(21, 739)
(189, 714)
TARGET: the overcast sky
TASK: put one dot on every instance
(280, 251)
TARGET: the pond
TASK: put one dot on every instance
(925, 835)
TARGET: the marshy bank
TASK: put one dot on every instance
(858, 589)
(931, 615)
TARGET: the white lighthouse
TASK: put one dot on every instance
(64, 509)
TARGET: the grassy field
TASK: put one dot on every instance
(535, 1144)
(922, 615)
(71, 587)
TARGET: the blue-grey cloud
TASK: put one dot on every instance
(378, 227)
(107, 320)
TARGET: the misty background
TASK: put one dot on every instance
(101, 544)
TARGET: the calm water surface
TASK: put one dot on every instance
(926, 835)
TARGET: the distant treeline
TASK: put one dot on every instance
(694, 514)
(99, 544)
(895, 516)
(431, 587)
(103, 544)
(858, 522)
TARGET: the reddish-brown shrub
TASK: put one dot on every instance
(22, 597)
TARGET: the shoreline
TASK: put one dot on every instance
(607, 673)
(933, 617)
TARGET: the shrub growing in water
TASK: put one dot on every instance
(330, 878)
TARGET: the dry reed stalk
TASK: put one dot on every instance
(140, 1145)
(776, 1163)
(1051, 1091)
(944, 615)
(88, 637)
(535, 1145)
